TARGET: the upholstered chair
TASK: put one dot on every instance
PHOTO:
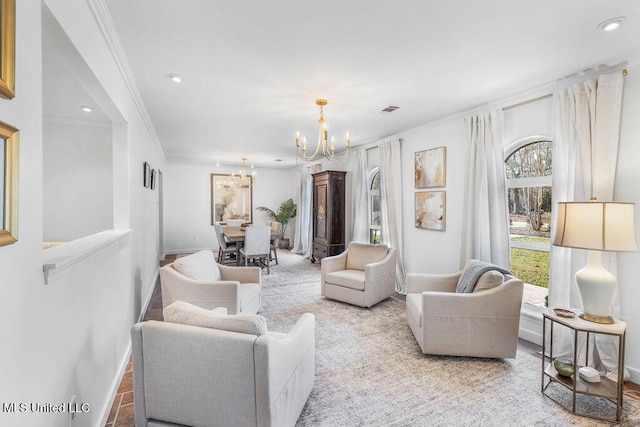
(257, 245)
(225, 249)
(204, 368)
(235, 222)
(362, 275)
(275, 227)
(198, 279)
(481, 322)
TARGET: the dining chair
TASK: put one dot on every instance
(226, 248)
(257, 245)
(235, 222)
(275, 225)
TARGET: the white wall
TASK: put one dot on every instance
(627, 189)
(78, 180)
(432, 251)
(72, 336)
(187, 202)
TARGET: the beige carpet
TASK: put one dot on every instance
(370, 371)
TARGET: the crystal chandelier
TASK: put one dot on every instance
(328, 149)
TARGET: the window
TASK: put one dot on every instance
(374, 206)
(528, 171)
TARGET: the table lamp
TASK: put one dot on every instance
(596, 226)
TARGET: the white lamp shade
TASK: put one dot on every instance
(600, 226)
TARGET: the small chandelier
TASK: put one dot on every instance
(328, 150)
(241, 180)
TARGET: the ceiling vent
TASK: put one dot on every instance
(389, 109)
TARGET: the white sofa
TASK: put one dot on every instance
(210, 369)
(362, 275)
(482, 323)
(198, 279)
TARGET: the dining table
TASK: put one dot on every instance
(236, 234)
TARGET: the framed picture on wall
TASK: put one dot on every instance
(431, 168)
(153, 179)
(9, 161)
(146, 175)
(430, 207)
(230, 200)
(7, 48)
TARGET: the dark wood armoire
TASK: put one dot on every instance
(328, 214)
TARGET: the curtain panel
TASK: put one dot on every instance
(303, 235)
(360, 199)
(587, 127)
(485, 234)
(391, 205)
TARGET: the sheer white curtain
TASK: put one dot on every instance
(359, 199)
(587, 122)
(391, 204)
(485, 234)
(303, 235)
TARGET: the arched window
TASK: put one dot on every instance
(528, 169)
(374, 206)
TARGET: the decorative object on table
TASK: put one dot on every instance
(564, 366)
(286, 212)
(9, 162)
(152, 185)
(563, 312)
(430, 210)
(328, 214)
(328, 148)
(146, 175)
(229, 200)
(8, 49)
(589, 374)
(431, 168)
(596, 226)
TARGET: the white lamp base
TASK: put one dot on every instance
(596, 286)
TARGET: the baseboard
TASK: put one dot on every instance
(635, 374)
(531, 325)
(125, 360)
(188, 251)
(106, 410)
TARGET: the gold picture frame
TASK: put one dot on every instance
(431, 168)
(8, 46)
(9, 160)
(431, 210)
(229, 200)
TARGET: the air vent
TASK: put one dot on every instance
(389, 109)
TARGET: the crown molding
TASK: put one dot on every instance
(101, 14)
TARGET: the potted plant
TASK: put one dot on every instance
(285, 213)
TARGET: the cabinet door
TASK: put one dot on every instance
(320, 211)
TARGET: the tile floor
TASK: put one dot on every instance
(122, 414)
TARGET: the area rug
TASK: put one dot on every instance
(370, 370)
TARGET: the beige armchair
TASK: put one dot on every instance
(214, 370)
(483, 323)
(198, 279)
(362, 275)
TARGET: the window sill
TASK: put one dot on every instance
(61, 259)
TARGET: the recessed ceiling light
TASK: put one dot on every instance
(177, 78)
(612, 24)
(86, 108)
(217, 164)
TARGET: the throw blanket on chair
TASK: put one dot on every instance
(473, 272)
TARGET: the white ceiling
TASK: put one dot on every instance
(253, 69)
